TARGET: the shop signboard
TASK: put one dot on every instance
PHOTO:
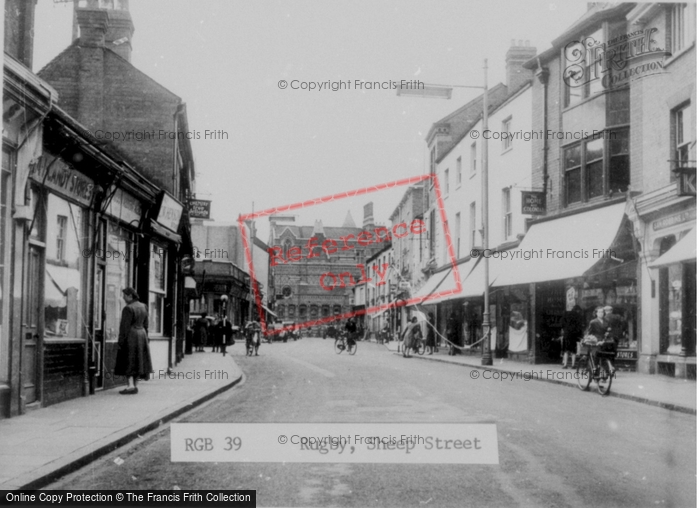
(533, 203)
(199, 209)
(169, 213)
(58, 176)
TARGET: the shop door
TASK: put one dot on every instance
(97, 362)
(31, 331)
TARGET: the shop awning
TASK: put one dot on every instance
(685, 250)
(562, 248)
(165, 233)
(436, 284)
(473, 279)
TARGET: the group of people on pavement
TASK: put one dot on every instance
(607, 327)
(218, 335)
(413, 333)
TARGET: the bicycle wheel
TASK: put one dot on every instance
(339, 345)
(605, 379)
(583, 373)
(352, 349)
(420, 347)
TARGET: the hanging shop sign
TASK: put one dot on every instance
(58, 176)
(124, 207)
(199, 209)
(169, 212)
(687, 182)
(533, 203)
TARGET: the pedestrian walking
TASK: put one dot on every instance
(133, 355)
(227, 335)
(454, 334)
(217, 336)
(572, 331)
(411, 335)
(200, 332)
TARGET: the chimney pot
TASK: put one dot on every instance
(93, 25)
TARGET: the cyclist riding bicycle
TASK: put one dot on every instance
(599, 329)
(351, 329)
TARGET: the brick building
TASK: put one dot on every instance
(98, 85)
(312, 287)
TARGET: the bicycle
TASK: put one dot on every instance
(341, 344)
(595, 365)
(418, 347)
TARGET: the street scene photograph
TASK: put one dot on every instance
(348, 254)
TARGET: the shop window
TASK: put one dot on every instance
(63, 281)
(118, 253)
(157, 289)
(589, 173)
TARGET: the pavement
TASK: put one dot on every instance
(655, 390)
(44, 444)
(41, 446)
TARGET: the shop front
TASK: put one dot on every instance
(553, 272)
(665, 226)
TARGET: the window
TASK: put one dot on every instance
(583, 68)
(5, 202)
(291, 310)
(433, 157)
(302, 311)
(592, 169)
(325, 311)
(507, 215)
(459, 171)
(683, 135)
(681, 31)
(432, 234)
(157, 289)
(472, 159)
(472, 225)
(506, 141)
(118, 252)
(61, 223)
(280, 311)
(447, 183)
(458, 233)
(63, 280)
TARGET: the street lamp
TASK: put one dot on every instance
(224, 299)
(431, 91)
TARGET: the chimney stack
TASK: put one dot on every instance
(93, 26)
(519, 53)
(119, 30)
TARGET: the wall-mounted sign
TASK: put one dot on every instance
(199, 209)
(533, 203)
(56, 175)
(687, 183)
(169, 213)
(672, 220)
(125, 207)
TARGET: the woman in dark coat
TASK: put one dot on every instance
(572, 329)
(133, 356)
(200, 331)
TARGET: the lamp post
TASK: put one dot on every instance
(445, 92)
(224, 299)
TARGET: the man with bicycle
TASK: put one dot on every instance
(351, 329)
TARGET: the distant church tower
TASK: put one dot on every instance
(120, 30)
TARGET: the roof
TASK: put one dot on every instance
(308, 231)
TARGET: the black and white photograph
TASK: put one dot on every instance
(355, 253)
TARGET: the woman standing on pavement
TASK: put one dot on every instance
(200, 331)
(572, 328)
(133, 356)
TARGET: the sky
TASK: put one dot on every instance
(226, 59)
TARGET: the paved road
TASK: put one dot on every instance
(557, 446)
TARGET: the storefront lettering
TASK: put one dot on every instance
(63, 179)
(674, 219)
